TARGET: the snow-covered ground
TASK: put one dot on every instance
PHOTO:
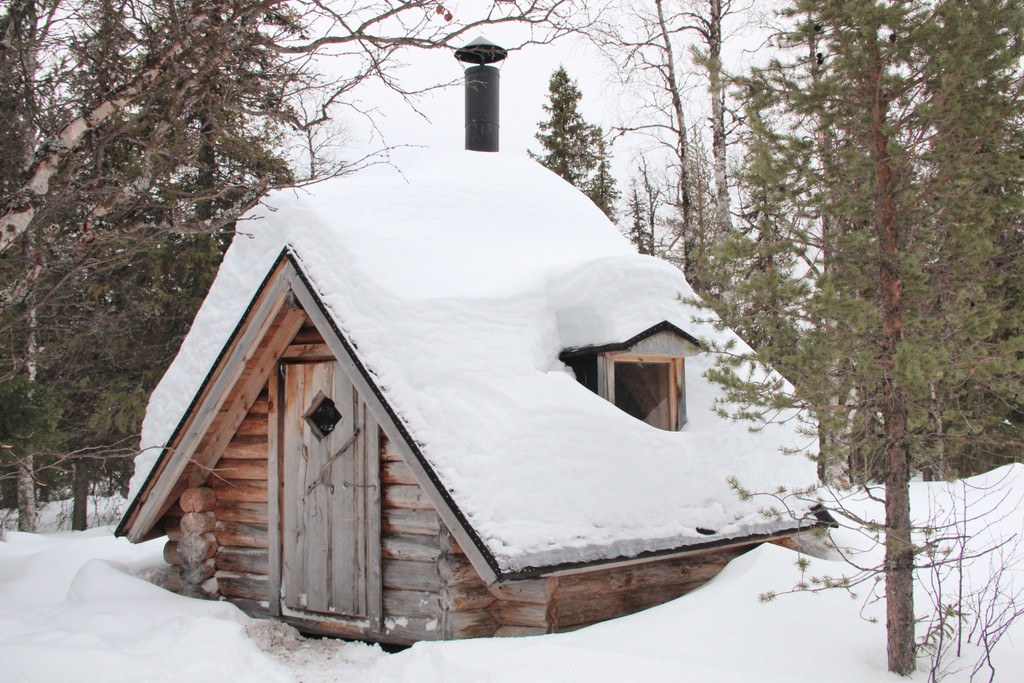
(77, 606)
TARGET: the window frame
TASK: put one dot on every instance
(677, 380)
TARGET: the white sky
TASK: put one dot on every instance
(524, 90)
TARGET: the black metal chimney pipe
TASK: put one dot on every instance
(482, 86)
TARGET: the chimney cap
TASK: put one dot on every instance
(481, 51)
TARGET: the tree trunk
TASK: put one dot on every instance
(831, 466)
(899, 548)
(80, 495)
(26, 494)
(723, 219)
(27, 511)
(684, 195)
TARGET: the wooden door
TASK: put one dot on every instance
(324, 494)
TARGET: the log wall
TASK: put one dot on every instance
(240, 481)
(430, 589)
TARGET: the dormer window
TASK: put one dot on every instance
(650, 388)
(644, 376)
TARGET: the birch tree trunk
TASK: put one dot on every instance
(684, 188)
(723, 219)
(27, 47)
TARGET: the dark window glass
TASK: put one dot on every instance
(323, 417)
(644, 390)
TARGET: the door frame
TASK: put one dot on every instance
(369, 438)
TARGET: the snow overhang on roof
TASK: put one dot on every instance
(458, 285)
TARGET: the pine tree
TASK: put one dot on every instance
(573, 148)
(884, 201)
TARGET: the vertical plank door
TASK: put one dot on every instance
(323, 544)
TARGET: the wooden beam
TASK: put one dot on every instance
(411, 548)
(409, 575)
(244, 586)
(410, 521)
(235, 469)
(275, 480)
(242, 560)
(242, 535)
(237, 511)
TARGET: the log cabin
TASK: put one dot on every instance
(447, 404)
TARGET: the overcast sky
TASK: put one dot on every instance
(524, 90)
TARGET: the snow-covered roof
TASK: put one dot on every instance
(459, 283)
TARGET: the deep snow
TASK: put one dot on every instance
(75, 606)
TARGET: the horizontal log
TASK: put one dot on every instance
(239, 469)
(240, 535)
(518, 631)
(410, 521)
(244, 586)
(466, 598)
(308, 352)
(175, 510)
(536, 591)
(171, 553)
(400, 603)
(243, 560)
(509, 613)
(253, 425)
(193, 575)
(450, 545)
(200, 499)
(388, 452)
(308, 335)
(172, 527)
(410, 548)
(231, 511)
(650, 574)
(193, 549)
(407, 575)
(408, 630)
(603, 606)
(396, 472)
(456, 570)
(198, 522)
(247, 447)
(788, 542)
(405, 497)
(171, 579)
(473, 624)
(250, 492)
(261, 406)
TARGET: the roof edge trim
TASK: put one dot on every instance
(663, 326)
(541, 571)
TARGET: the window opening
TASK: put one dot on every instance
(323, 416)
(646, 390)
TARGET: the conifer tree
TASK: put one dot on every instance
(573, 148)
(884, 198)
